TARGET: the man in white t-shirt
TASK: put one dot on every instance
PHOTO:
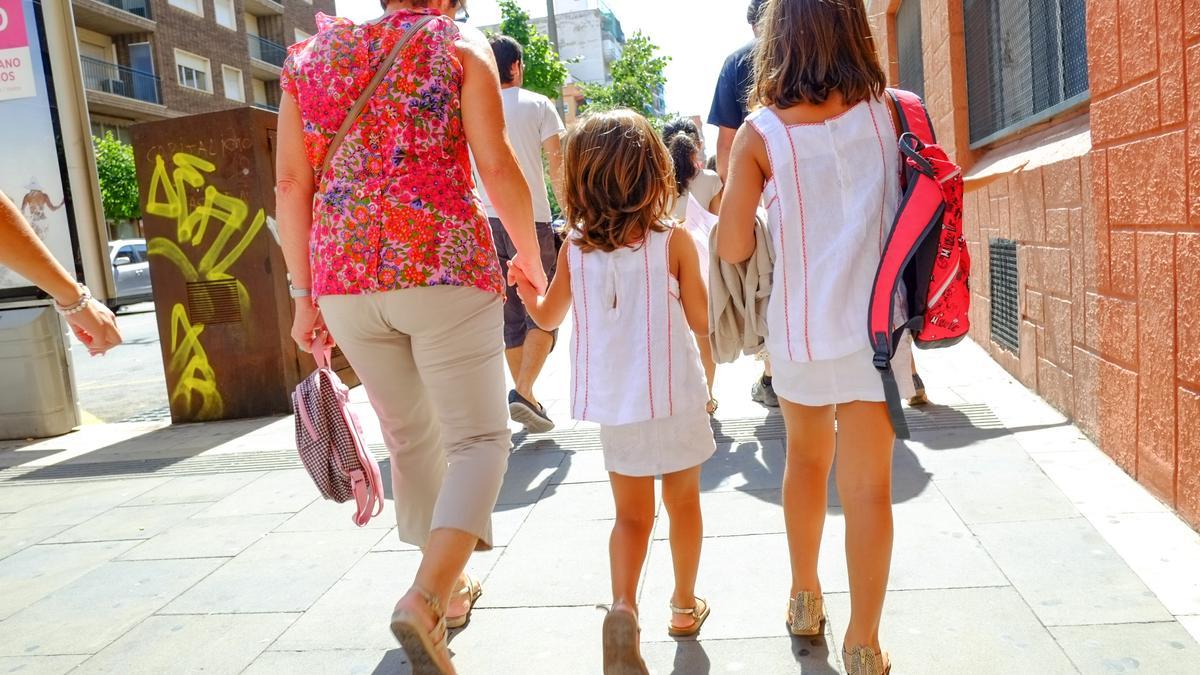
(533, 128)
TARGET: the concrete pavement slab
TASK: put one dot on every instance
(324, 514)
(1068, 574)
(582, 467)
(128, 522)
(733, 513)
(981, 631)
(99, 607)
(1095, 484)
(573, 502)
(275, 492)
(37, 571)
(40, 665)
(331, 662)
(1163, 551)
(809, 656)
(744, 466)
(528, 475)
(1159, 648)
(1024, 493)
(217, 643)
(530, 641)
(187, 489)
(82, 502)
(206, 537)
(12, 541)
(1191, 624)
(552, 564)
(282, 572)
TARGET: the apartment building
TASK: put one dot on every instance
(152, 59)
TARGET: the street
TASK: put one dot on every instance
(127, 383)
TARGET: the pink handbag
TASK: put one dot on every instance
(329, 439)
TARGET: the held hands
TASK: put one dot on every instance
(96, 327)
(528, 267)
(308, 326)
(525, 289)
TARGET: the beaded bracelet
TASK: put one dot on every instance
(78, 306)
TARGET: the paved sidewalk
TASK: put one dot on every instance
(1020, 548)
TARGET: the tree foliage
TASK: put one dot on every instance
(637, 78)
(118, 178)
(545, 71)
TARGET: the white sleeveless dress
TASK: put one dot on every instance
(831, 201)
(635, 368)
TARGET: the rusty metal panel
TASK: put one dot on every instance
(220, 285)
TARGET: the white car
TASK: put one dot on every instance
(131, 272)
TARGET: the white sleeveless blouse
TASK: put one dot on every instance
(633, 354)
(831, 201)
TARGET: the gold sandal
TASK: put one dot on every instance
(711, 406)
(806, 614)
(621, 644)
(698, 619)
(472, 590)
(425, 649)
(866, 661)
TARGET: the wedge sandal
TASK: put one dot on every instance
(806, 614)
(698, 618)
(472, 590)
(426, 650)
(621, 644)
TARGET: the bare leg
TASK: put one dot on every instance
(533, 357)
(630, 540)
(710, 365)
(864, 478)
(810, 447)
(681, 496)
(442, 562)
(514, 357)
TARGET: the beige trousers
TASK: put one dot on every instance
(432, 362)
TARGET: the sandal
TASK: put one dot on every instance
(866, 661)
(425, 649)
(698, 619)
(806, 614)
(712, 406)
(621, 644)
(472, 590)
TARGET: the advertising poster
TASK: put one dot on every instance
(31, 168)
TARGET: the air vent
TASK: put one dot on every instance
(212, 302)
(1005, 294)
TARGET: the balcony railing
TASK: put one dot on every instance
(266, 106)
(138, 7)
(266, 51)
(111, 78)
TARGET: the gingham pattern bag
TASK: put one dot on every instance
(329, 439)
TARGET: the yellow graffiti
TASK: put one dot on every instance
(195, 220)
(189, 362)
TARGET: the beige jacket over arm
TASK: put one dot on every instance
(737, 297)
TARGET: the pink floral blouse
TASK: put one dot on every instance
(397, 208)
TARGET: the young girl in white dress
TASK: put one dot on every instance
(632, 284)
(821, 151)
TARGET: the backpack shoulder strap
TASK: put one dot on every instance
(914, 118)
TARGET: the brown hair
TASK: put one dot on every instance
(808, 49)
(619, 180)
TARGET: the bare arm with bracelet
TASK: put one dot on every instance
(22, 251)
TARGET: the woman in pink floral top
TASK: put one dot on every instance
(392, 243)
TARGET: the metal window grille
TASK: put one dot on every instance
(1026, 62)
(1005, 299)
(909, 53)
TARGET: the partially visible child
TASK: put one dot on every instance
(821, 149)
(633, 283)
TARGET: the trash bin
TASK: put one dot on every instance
(37, 399)
(206, 186)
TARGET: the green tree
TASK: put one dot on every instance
(545, 72)
(118, 178)
(637, 77)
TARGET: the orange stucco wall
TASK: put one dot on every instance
(1108, 227)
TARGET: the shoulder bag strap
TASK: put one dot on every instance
(368, 92)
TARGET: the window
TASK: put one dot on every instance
(909, 52)
(139, 253)
(259, 88)
(301, 36)
(251, 23)
(224, 14)
(194, 6)
(1026, 62)
(235, 89)
(193, 71)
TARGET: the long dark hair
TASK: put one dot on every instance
(808, 49)
(683, 142)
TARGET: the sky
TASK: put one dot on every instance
(696, 34)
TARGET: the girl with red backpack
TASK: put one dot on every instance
(820, 152)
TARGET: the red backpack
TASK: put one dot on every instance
(925, 250)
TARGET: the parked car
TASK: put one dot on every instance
(131, 272)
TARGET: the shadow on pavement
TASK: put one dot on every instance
(393, 663)
(690, 658)
(812, 655)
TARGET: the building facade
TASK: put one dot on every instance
(590, 38)
(152, 59)
(1078, 125)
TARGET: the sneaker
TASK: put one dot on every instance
(919, 398)
(532, 415)
(764, 394)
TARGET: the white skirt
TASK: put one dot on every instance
(658, 446)
(843, 380)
